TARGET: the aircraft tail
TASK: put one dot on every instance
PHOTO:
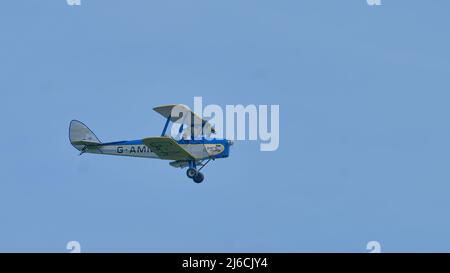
(81, 136)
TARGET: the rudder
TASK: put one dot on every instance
(81, 136)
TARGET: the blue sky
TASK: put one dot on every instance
(363, 94)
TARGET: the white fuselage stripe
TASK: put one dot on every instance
(134, 150)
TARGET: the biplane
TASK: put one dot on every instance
(193, 148)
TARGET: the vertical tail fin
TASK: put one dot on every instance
(81, 136)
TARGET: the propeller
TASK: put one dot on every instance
(231, 143)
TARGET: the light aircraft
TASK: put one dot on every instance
(194, 149)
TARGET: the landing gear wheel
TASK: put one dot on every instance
(191, 173)
(198, 178)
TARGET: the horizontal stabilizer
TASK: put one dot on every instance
(85, 143)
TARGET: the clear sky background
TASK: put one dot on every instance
(364, 103)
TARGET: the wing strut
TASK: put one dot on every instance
(204, 164)
(165, 126)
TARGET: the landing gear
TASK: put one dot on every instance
(195, 174)
(191, 173)
(198, 178)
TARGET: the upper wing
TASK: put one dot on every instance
(167, 148)
(180, 113)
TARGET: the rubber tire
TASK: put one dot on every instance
(198, 178)
(191, 175)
